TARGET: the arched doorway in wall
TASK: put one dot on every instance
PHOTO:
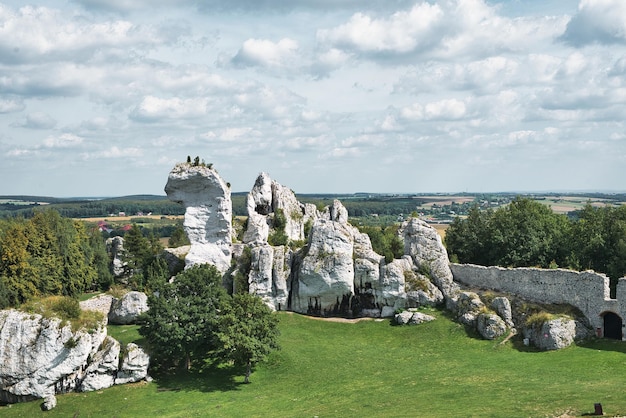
(612, 326)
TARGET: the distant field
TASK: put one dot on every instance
(127, 218)
(441, 229)
(444, 200)
(571, 203)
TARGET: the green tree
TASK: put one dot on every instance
(248, 332)
(178, 238)
(181, 324)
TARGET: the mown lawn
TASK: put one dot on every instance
(372, 369)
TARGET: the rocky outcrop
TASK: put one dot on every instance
(265, 201)
(468, 307)
(101, 373)
(115, 247)
(175, 258)
(208, 213)
(41, 356)
(127, 309)
(553, 334)
(134, 365)
(490, 325)
(503, 307)
(423, 244)
(412, 318)
(324, 283)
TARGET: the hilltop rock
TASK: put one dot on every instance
(127, 309)
(208, 213)
(268, 197)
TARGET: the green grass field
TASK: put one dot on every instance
(372, 369)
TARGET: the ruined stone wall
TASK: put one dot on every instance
(587, 290)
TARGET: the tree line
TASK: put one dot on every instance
(526, 233)
(49, 255)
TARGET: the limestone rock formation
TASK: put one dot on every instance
(412, 318)
(134, 365)
(553, 334)
(468, 307)
(423, 244)
(325, 278)
(208, 213)
(101, 303)
(127, 309)
(49, 403)
(269, 270)
(100, 374)
(264, 201)
(490, 325)
(503, 307)
(115, 247)
(41, 356)
(175, 258)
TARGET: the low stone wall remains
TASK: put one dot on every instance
(587, 290)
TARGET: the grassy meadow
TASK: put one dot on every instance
(373, 369)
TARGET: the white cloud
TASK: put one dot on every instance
(62, 141)
(597, 21)
(37, 120)
(444, 29)
(11, 105)
(153, 109)
(265, 53)
(35, 34)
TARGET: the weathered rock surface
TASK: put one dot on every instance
(423, 244)
(468, 307)
(553, 334)
(208, 213)
(266, 198)
(49, 403)
(412, 318)
(101, 303)
(100, 374)
(325, 279)
(134, 365)
(175, 258)
(127, 309)
(115, 247)
(40, 356)
(490, 325)
(503, 307)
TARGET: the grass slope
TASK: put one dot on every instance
(372, 369)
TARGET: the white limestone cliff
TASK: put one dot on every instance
(266, 198)
(208, 213)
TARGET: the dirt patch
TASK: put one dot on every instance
(336, 319)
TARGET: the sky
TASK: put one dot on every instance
(103, 97)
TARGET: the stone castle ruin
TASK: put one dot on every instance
(325, 266)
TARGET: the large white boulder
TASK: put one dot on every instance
(100, 374)
(127, 309)
(40, 356)
(208, 213)
(134, 365)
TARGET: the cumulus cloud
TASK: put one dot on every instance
(442, 29)
(33, 34)
(37, 120)
(597, 21)
(62, 141)
(11, 105)
(265, 53)
(153, 109)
